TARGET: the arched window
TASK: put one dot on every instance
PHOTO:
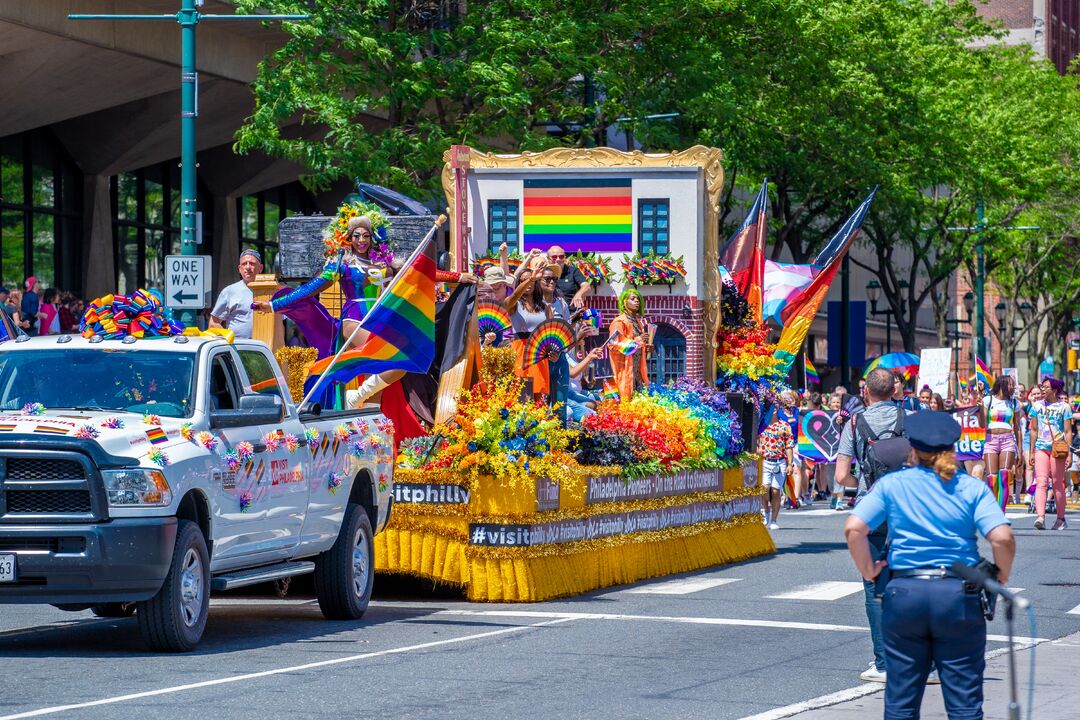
(668, 361)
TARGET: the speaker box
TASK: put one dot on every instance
(747, 412)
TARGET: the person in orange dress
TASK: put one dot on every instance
(629, 327)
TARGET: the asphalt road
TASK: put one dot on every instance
(711, 644)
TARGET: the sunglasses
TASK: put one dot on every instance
(547, 279)
(556, 257)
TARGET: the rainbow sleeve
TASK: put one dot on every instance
(314, 286)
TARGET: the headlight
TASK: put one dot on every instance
(136, 487)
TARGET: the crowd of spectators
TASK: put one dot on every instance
(38, 311)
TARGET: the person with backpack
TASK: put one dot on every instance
(930, 615)
(874, 439)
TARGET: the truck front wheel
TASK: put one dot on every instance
(174, 619)
(345, 574)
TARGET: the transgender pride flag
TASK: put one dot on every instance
(579, 215)
(783, 281)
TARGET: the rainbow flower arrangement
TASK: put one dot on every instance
(595, 267)
(652, 269)
(494, 434)
(335, 238)
(744, 356)
(710, 406)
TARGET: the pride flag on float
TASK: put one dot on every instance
(800, 311)
(744, 254)
(783, 283)
(401, 326)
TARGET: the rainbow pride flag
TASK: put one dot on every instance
(743, 256)
(580, 215)
(401, 323)
(812, 373)
(610, 392)
(983, 374)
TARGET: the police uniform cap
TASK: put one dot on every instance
(931, 431)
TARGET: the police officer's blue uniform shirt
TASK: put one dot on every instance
(931, 523)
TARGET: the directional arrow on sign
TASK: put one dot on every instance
(181, 297)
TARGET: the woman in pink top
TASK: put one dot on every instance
(49, 314)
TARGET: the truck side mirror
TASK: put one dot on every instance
(254, 409)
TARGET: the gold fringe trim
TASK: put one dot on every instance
(494, 575)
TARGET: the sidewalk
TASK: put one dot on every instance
(1057, 693)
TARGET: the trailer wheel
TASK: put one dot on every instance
(345, 574)
(174, 619)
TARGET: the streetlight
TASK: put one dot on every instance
(873, 294)
(955, 335)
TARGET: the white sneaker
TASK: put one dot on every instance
(932, 678)
(773, 525)
(872, 674)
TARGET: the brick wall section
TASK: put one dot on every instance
(1014, 13)
(667, 309)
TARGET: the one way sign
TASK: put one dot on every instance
(186, 280)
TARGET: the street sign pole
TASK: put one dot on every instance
(188, 17)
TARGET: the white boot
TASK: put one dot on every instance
(374, 384)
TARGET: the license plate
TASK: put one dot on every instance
(7, 568)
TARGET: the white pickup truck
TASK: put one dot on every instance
(136, 476)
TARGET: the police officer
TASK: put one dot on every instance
(929, 618)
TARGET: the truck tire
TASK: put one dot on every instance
(113, 609)
(174, 619)
(345, 574)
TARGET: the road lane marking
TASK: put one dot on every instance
(681, 587)
(862, 690)
(832, 590)
(1074, 611)
(277, 671)
(1019, 641)
(815, 513)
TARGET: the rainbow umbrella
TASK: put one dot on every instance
(904, 363)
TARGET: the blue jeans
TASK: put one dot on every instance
(559, 372)
(873, 604)
(933, 622)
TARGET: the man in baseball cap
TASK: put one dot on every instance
(233, 307)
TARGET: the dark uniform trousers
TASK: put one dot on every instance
(930, 622)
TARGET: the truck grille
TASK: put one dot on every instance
(48, 502)
(36, 470)
(43, 544)
(48, 484)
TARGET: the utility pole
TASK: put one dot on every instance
(188, 17)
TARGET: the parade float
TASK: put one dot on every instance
(497, 497)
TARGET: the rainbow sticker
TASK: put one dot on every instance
(492, 317)
(156, 436)
(47, 430)
(7, 427)
(549, 335)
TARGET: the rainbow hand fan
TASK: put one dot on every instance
(492, 317)
(548, 335)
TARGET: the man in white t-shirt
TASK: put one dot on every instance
(233, 307)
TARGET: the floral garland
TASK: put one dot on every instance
(667, 429)
(336, 239)
(652, 269)
(495, 434)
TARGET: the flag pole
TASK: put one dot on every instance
(348, 343)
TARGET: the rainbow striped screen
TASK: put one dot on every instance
(584, 215)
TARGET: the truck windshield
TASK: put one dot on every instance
(141, 381)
